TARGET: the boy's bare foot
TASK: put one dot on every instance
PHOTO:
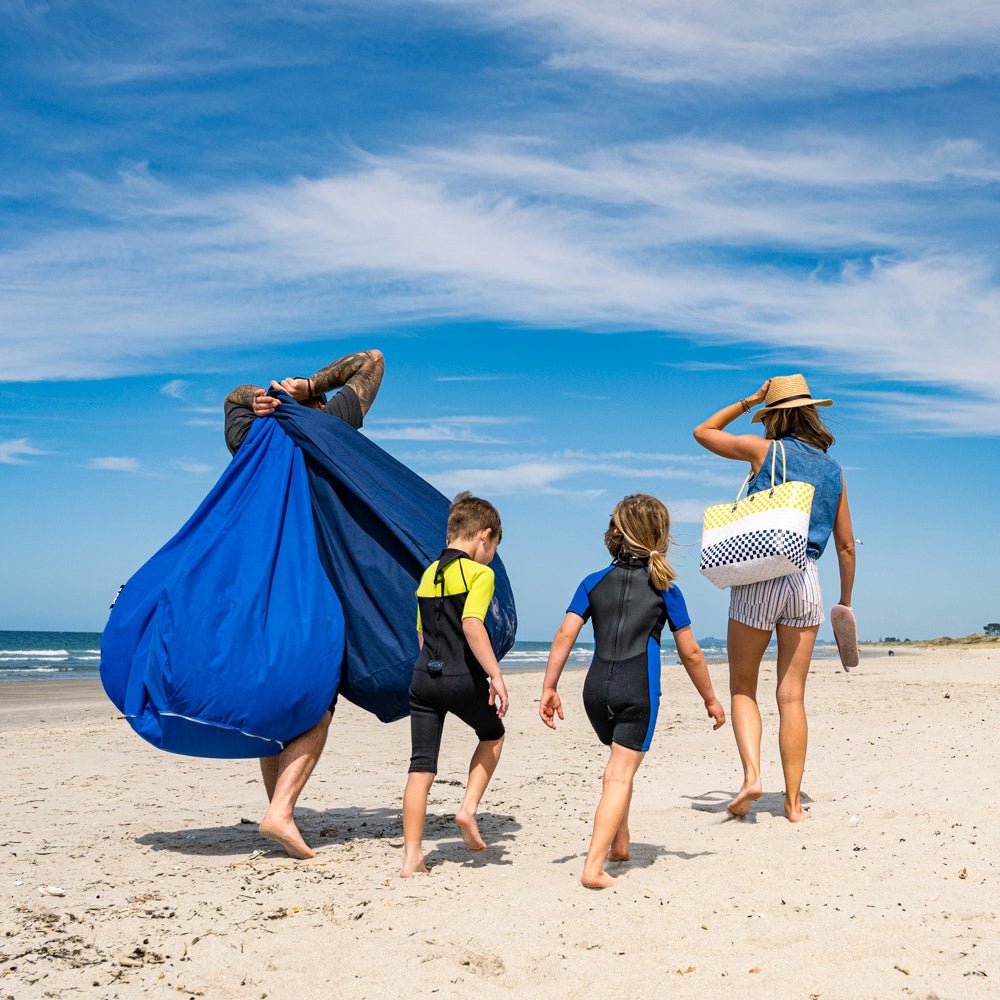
(749, 793)
(795, 814)
(286, 835)
(412, 866)
(470, 830)
(600, 881)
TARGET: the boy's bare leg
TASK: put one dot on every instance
(484, 763)
(418, 787)
(795, 647)
(611, 810)
(621, 846)
(269, 772)
(295, 764)
(746, 647)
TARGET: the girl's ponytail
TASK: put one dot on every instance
(661, 573)
(640, 525)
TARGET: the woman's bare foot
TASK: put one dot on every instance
(795, 814)
(600, 881)
(412, 866)
(286, 835)
(470, 830)
(750, 792)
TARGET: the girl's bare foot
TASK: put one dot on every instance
(470, 830)
(286, 835)
(412, 866)
(795, 814)
(750, 792)
(621, 849)
(600, 881)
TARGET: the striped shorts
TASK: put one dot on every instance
(787, 600)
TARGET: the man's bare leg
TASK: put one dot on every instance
(269, 772)
(795, 646)
(418, 787)
(615, 799)
(295, 765)
(484, 763)
(746, 647)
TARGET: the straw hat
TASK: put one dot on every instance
(785, 392)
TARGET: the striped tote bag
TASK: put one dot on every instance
(761, 536)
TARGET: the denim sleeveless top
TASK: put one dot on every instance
(807, 464)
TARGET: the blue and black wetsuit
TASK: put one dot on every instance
(622, 691)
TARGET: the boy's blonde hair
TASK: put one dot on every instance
(640, 526)
(468, 515)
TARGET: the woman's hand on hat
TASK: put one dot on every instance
(760, 395)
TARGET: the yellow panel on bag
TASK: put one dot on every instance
(794, 494)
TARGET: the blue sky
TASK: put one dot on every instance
(574, 232)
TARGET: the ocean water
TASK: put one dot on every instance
(35, 656)
(53, 655)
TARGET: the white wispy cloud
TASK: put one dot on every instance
(464, 429)
(14, 451)
(113, 463)
(681, 235)
(844, 44)
(576, 473)
(194, 468)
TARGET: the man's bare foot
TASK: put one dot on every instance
(749, 793)
(470, 830)
(795, 814)
(413, 865)
(286, 835)
(600, 881)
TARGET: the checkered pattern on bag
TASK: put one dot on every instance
(756, 545)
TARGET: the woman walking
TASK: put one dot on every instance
(792, 605)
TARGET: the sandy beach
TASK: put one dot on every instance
(889, 890)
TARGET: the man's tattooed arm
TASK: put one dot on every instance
(243, 395)
(362, 371)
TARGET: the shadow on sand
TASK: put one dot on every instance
(320, 828)
(714, 801)
(643, 856)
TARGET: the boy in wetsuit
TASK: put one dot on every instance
(455, 672)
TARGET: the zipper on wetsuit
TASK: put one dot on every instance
(622, 603)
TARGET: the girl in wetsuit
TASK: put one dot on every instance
(629, 602)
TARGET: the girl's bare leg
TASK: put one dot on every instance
(294, 765)
(484, 763)
(418, 787)
(611, 811)
(621, 846)
(795, 647)
(746, 647)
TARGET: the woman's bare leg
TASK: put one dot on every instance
(746, 647)
(795, 647)
(484, 763)
(611, 810)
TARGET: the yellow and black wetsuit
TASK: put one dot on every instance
(447, 677)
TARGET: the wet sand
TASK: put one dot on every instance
(890, 890)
